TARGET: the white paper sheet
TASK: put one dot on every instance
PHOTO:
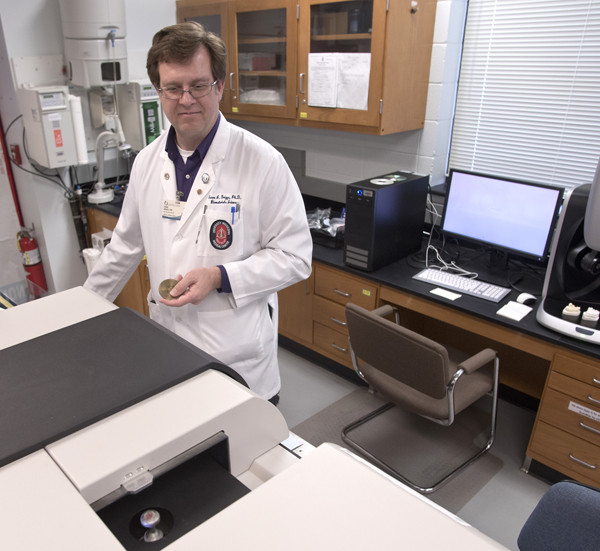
(353, 81)
(514, 310)
(322, 80)
(445, 293)
(339, 80)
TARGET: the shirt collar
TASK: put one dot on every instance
(202, 149)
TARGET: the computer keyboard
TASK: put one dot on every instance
(463, 285)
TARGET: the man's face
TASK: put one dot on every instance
(192, 118)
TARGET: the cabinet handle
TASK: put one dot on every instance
(583, 425)
(301, 83)
(582, 462)
(147, 273)
(342, 293)
(306, 288)
(339, 348)
(340, 322)
(596, 381)
(231, 81)
(593, 400)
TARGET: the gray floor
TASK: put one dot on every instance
(499, 510)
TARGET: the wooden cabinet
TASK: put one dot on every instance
(277, 49)
(566, 434)
(316, 317)
(261, 38)
(296, 311)
(137, 288)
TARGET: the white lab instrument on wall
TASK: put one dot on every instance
(94, 37)
(141, 113)
(48, 122)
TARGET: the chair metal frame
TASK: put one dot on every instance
(445, 422)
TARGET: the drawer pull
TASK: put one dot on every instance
(593, 400)
(342, 293)
(596, 381)
(583, 425)
(339, 348)
(340, 322)
(582, 462)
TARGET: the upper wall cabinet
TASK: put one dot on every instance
(352, 65)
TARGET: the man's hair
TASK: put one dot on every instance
(179, 43)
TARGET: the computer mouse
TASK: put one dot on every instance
(526, 298)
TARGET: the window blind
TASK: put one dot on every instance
(528, 100)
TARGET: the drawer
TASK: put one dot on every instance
(588, 394)
(585, 372)
(329, 313)
(571, 415)
(567, 450)
(342, 288)
(333, 342)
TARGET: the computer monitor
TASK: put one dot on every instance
(512, 216)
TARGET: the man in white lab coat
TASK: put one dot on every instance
(215, 207)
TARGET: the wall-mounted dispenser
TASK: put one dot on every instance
(94, 37)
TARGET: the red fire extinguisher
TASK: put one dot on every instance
(32, 261)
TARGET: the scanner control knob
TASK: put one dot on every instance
(150, 519)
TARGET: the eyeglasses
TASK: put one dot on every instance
(197, 92)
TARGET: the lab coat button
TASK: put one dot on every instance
(178, 237)
(205, 178)
(166, 176)
(178, 319)
(199, 192)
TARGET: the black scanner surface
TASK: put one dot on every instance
(66, 380)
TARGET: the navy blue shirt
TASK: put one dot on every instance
(185, 174)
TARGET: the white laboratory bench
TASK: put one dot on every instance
(329, 499)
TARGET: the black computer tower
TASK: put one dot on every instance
(384, 219)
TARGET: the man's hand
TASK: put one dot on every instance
(195, 286)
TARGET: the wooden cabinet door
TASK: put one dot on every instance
(341, 27)
(137, 288)
(296, 311)
(262, 57)
(213, 16)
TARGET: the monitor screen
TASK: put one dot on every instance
(517, 217)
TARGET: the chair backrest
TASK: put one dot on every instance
(566, 518)
(400, 353)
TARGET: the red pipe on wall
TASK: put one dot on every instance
(10, 175)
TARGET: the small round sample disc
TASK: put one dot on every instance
(382, 181)
(396, 177)
(166, 287)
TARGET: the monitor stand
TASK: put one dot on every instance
(499, 259)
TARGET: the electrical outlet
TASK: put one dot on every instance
(15, 153)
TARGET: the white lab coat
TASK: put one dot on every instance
(270, 249)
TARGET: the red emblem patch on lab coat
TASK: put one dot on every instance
(221, 235)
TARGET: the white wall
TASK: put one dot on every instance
(33, 28)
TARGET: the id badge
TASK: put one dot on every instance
(172, 209)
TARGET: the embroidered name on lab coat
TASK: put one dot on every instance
(222, 198)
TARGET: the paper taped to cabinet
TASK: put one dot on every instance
(339, 80)
(586, 412)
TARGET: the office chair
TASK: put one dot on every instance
(565, 519)
(419, 375)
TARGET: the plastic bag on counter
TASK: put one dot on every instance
(320, 220)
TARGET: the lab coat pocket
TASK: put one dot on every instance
(155, 313)
(221, 233)
(235, 336)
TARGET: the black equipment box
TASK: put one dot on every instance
(384, 219)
